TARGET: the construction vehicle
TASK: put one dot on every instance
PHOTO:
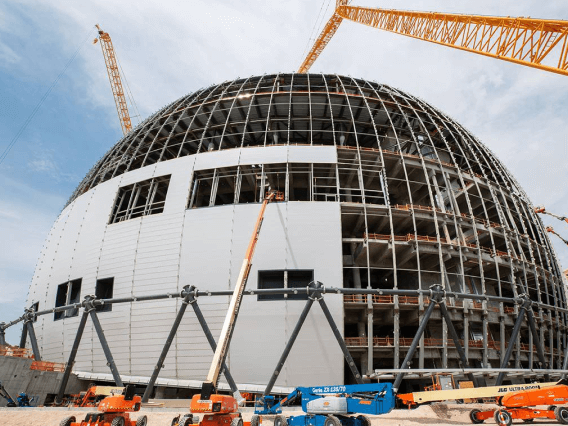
(223, 409)
(329, 405)
(517, 405)
(114, 410)
(523, 41)
(93, 396)
(23, 400)
(542, 210)
(414, 399)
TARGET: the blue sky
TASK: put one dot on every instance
(170, 48)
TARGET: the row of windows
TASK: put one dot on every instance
(345, 182)
(70, 292)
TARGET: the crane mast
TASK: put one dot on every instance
(115, 81)
(524, 41)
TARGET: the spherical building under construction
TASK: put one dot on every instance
(382, 191)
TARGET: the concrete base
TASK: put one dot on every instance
(16, 377)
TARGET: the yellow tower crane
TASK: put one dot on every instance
(524, 41)
(115, 81)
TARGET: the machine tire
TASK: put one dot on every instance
(255, 420)
(142, 421)
(365, 421)
(280, 421)
(67, 421)
(175, 421)
(332, 421)
(186, 420)
(561, 414)
(118, 421)
(551, 407)
(503, 418)
(237, 421)
(12, 404)
(473, 416)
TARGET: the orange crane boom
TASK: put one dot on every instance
(115, 81)
(524, 41)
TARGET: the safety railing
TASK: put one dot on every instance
(15, 351)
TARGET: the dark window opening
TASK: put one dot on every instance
(35, 308)
(140, 199)
(103, 290)
(67, 294)
(285, 279)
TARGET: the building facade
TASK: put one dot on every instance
(382, 191)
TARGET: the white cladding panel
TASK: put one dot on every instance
(203, 247)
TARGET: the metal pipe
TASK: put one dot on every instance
(511, 345)
(71, 360)
(341, 342)
(455, 338)
(33, 340)
(565, 363)
(106, 349)
(414, 343)
(288, 346)
(165, 350)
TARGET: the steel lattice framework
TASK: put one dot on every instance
(420, 202)
(524, 41)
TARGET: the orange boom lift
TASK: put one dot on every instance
(222, 410)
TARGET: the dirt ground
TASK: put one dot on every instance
(436, 414)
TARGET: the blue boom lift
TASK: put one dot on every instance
(329, 405)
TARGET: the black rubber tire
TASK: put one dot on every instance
(551, 407)
(142, 421)
(175, 421)
(237, 421)
(186, 420)
(331, 421)
(503, 418)
(528, 420)
(67, 421)
(473, 416)
(365, 421)
(280, 421)
(255, 420)
(561, 414)
(12, 404)
(118, 421)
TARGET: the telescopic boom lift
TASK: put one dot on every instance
(542, 210)
(221, 409)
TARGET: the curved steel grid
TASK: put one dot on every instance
(483, 237)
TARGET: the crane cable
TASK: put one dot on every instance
(320, 20)
(43, 98)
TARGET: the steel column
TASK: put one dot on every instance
(414, 343)
(106, 349)
(455, 338)
(288, 347)
(511, 345)
(166, 348)
(33, 340)
(341, 342)
(23, 336)
(536, 340)
(2, 334)
(565, 363)
(71, 360)
(211, 340)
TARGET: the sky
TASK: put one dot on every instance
(170, 48)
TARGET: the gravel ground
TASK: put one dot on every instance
(435, 414)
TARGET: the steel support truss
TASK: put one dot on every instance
(315, 291)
